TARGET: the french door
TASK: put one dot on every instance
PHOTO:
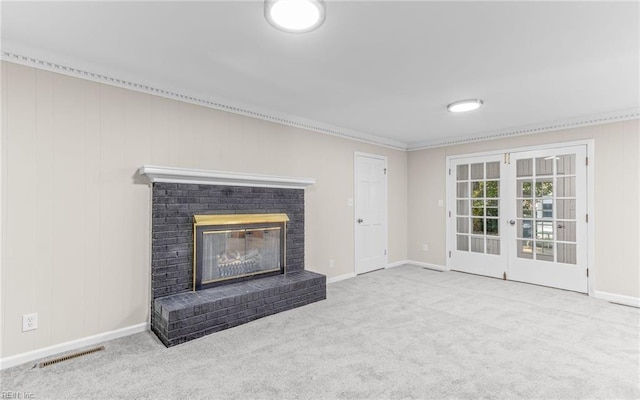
(477, 216)
(521, 216)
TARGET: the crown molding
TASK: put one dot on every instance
(236, 108)
(208, 177)
(316, 126)
(599, 119)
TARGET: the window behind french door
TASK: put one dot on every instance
(521, 216)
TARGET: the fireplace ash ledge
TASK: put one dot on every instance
(209, 177)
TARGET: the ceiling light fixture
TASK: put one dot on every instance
(465, 105)
(295, 16)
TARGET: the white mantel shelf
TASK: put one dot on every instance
(208, 177)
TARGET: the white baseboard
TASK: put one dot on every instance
(12, 361)
(617, 298)
(434, 267)
(341, 277)
(418, 264)
(398, 263)
(391, 265)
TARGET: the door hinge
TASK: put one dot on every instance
(586, 161)
(587, 272)
(385, 252)
(449, 171)
(449, 253)
(587, 218)
(449, 214)
(385, 171)
(504, 276)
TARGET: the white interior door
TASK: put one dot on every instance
(476, 215)
(548, 218)
(370, 213)
(521, 216)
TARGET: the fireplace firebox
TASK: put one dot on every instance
(230, 248)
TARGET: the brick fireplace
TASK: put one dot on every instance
(180, 313)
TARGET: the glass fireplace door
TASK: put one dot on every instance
(239, 252)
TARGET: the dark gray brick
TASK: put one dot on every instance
(173, 207)
(184, 316)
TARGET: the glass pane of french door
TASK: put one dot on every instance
(545, 202)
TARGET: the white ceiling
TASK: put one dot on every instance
(381, 71)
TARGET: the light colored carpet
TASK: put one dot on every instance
(401, 333)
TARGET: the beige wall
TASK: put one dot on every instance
(617, 199)
(76, 218)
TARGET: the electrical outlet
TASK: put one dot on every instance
(425, 247)
(29, 322)
(331, 263)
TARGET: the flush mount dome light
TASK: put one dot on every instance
(295, 16)
(465, 105)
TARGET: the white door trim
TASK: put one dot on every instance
(590, 144)
(357, 154)
(586, 142)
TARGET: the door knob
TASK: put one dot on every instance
(512, 222)
(360, 220)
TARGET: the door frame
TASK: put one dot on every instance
(590, 151)
(357, 154)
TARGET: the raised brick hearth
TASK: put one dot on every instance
(185, 316)
(180, 314)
